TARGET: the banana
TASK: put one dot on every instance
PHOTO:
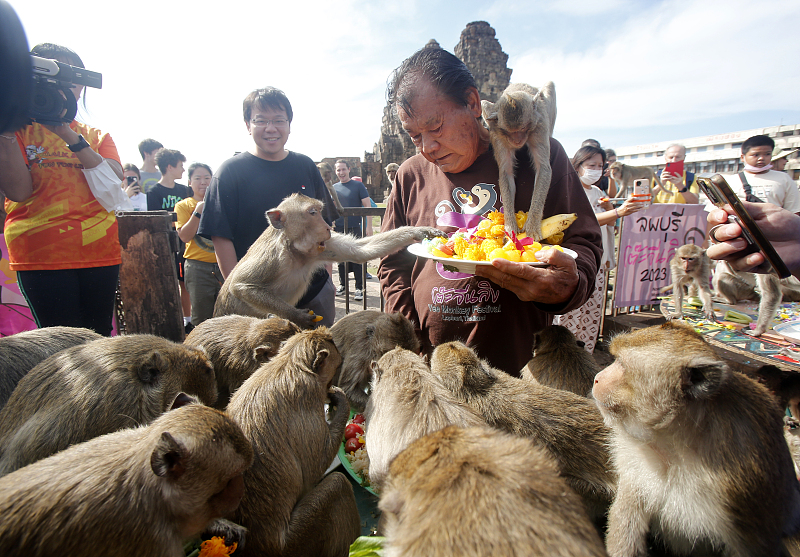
(557, 223)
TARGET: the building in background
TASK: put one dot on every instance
(715, 153)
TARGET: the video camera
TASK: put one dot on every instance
(52, 101)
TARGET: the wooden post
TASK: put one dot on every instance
(148, 280)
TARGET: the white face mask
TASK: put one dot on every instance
(590, 176)
(757, 169)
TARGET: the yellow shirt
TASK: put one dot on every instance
(673, 195)
(198, 248)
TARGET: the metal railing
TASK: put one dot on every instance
(364, 213)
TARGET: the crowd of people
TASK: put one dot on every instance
(63, 243)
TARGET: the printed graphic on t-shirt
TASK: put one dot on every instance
(168, 203)
(479, 201)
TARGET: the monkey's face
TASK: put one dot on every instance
(688, 263)
(615, 171)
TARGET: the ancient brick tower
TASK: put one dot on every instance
(481, 52)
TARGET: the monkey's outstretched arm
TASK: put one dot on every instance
(344, 247)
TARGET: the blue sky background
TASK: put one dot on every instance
(626, 72)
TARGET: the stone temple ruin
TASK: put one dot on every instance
(481, 52)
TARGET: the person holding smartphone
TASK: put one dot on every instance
(132, 184)
(680, 186)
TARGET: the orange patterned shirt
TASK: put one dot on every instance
(61, 226)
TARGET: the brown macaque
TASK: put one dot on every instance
(236, 345)
(783, 384)
(625, 175)
(362, 338)
(568, 425)
(21, 352)
(732, 286)
(478, 491)
(391, 171)
(699, 448)
(288, 507)
(690, 267)
(276, 270)
(407, 402)
(560, 362)
(96, 388)
(523, 116)
(139, 491)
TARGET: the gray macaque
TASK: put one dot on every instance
(96, 388)
(288, 507)
(21, 352)
(407, 402)
(625, 174)
(568, 425)
(523, 116)
(477, 491)
(690, 267)
(276, 270)
(699, 448)
(560, 362)
(236, 345)
(139, 491)
(362, 338)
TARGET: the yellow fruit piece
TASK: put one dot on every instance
(534, 247)
(498, 253)
(460, 245)
(437, 253)
(496, 217)
(522, 218)
(556, 238)
(528, 257)
(485, 224)
(472, 253)
(488, 245)
(513, 255)
(498, 230)
(547, 246)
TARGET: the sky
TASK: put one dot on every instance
(627, 72)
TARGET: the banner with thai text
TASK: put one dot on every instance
(648, 241)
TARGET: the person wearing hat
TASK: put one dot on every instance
(780, 157)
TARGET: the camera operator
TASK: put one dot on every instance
(62, 242)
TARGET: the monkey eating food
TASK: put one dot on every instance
(523, 116)
(477, 491)
(96, 388)
(288, 507)
(699, 449)
(276, 270)
(362, 338)
(690, 267)
(138, 491)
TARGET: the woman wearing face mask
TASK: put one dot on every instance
(202, 276)
(584, 322)
(62, 241)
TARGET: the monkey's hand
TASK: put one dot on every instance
(339, 420)
(554, 284)
(232, 532)
(427, 232)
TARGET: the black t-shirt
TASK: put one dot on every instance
(245, 187)
(350, 195)
(164, 199)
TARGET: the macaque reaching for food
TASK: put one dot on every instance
(690, 267)
(523, 116)
(288, 507)
(362, 338)
(139, 491)
(407, 402)
(567, 425)
(560, 362)
(236, 345)
(699, 449)
(625, 175)
(478, 491)
(21, 352)
(276, 270)
(95, 388)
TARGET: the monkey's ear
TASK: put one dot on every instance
(263, 353)
(489, 111)
(319, 359)
(151, 368)
(274, 217)
(704, 377)
(580, 343)
(169, 457)
(376, 370)
(370, 331)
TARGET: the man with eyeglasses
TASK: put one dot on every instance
(249, 184)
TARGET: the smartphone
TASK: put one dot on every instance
(675, 168)
(720, 194)
(131, 179)
(641, 191)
